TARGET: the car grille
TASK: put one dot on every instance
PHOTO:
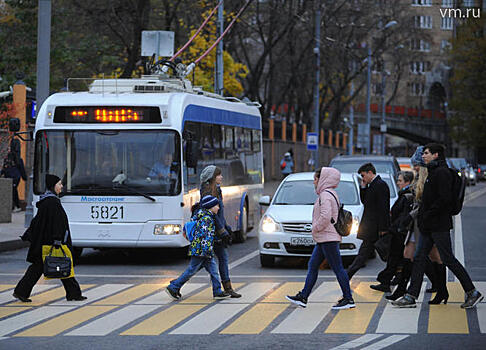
(303, 228)
(299, 249)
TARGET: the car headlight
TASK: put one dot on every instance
(269, 225)
(167, 229)
(355, 226)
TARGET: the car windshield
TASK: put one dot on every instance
(458, 163)
(303, 193)
(110, 162)
(352, 166)
(391, 185)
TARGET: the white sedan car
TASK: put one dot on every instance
(286, 227)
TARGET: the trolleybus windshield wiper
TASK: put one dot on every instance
(118, 185)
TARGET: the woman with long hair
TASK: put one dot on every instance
(325, 213)
(211, 179)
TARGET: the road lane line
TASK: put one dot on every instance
(113, 321)
(6, 297)
(129, 295)
(26, 319)
(4, 287)
(205, 296)
(303, 320)
(448, 318)
(458, 243)
(11, 310)
(353, 321)
(396, 320)
(327, 292)
(95, 294)
(392, 339)
(363, 293)
(164, 320)
(48, 296)
(64, 322)
(358, 342)
(251, 293)
(278, 295)
(210, 320)
(243, 259)
(456, 293)
(481, 312)
(472, 196)
(162, 298)
(255, 320)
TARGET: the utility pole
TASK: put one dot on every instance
(351, 120)
(383, 120)
(368, 99)
(317, 50)
(218, 79)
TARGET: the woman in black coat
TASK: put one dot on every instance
(49, 225)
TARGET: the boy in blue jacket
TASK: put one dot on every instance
(201, 251)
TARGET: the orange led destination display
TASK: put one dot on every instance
(107, 114)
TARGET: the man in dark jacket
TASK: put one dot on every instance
(375, 196)
(13, 168)
(435, 222)
(49, 225)
(399, 211)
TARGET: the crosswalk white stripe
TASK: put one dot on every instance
(6, 297)
(114, 321)
(396, 320)
(304, 321)
(95, 294)
(327, 292)
(358, 342)
(162, 298)
(392, 339)
(210, 320)
(251, 293)
(15, 323)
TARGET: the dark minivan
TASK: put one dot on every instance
(351, 164)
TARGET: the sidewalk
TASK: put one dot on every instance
(10, 232)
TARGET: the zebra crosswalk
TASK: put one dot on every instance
(146, 310)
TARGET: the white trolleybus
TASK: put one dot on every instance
(130, 152)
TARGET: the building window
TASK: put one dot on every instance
(424, 22)
(448, 3)
(445, 45)
(376, 89)
(421, 2)
(468, 3)
(417, 89)
(447, 23)
(419, 45)
(420, 67)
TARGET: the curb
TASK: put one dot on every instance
(13, 244)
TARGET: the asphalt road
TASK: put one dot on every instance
(128, 309)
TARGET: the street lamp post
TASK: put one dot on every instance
(383, 120)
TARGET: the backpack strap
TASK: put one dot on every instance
(337, 202)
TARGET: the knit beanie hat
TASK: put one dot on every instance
(417, 157)
(207, 173)
(51, 181)
(209, 201)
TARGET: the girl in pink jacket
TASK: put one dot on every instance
(327, 239)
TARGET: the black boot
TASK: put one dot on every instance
(402, 284)
(229, 289)
(441, 281)
(431, 273)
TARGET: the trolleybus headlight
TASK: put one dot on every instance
(169, 229)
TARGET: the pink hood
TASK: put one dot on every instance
(325, 207)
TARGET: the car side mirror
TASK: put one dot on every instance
(264, 200)
(14, 125)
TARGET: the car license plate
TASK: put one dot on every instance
(302, 241)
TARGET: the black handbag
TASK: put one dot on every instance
(383, 246)
(57, 266)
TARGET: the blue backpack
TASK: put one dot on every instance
(190, 228)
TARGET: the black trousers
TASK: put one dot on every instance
(32, 275)
(367, 248)
(394, 259)
(442, 241)
(15, 193)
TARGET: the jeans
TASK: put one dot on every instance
(195, 264)
(365, 250)
(222, 254)
(442, 241)
(329, 251)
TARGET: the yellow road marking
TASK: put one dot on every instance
(278, 295)
(447, 319)
(205, 296)
(64, 322)
(130, 294)
(256, 319)
(456, 293)
(48, 296)
(353, 321)
(7, 311)
(164, 320)
(364, 294)
(6, 287)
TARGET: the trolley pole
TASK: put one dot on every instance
(218, 81)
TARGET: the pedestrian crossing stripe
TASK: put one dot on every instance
(6, 287)
(146, 310)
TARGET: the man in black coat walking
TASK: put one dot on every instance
(435, 222)
(375, 196)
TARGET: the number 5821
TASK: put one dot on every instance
(106, 212)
